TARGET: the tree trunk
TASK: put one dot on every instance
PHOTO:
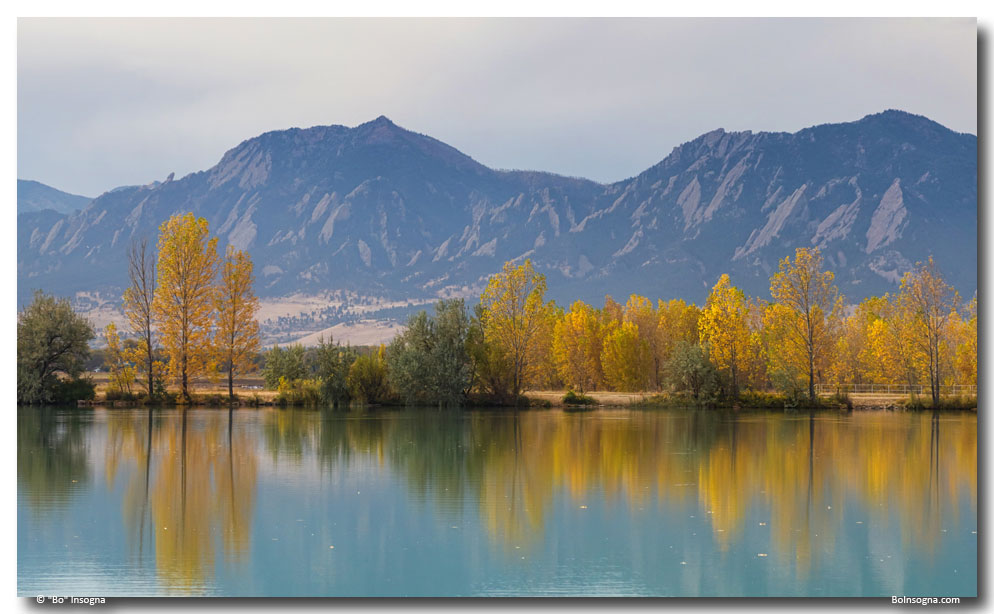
(185, 390)
(231, 387)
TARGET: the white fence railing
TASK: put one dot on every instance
(955, 390)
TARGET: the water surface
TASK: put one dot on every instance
(481, 503)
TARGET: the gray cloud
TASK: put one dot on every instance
(108, 102)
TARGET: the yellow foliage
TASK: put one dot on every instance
(808, 305)
(930, 304)
(723, 327)
(184, 301)
(640, 312)
(626, 358)
(577, 343)
(516, 319)
(122, 374)
(236, 305)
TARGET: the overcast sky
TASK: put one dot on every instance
(110, 102)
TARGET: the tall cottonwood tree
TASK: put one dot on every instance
(513, 318)
(576, 347)
(237, 337)
(723, 327)
(809, 301)
(931, 302)
(138, 299)
(184, 300)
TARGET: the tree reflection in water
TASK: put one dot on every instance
(191, 477)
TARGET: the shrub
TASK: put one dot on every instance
(840, 399)
(298, 393)
(72, 390)
(573, 398)
(286, 363)
(367, 379)
(114, 393)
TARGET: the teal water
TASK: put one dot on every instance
(493, 503)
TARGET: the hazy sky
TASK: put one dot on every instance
(109, 102)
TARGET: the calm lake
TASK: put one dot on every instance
(495, 503)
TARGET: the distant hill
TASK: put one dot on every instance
(33, 196)
(377, 210)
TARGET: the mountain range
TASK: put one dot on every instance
(380, 211)
(34, 196)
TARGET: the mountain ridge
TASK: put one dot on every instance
(35, 196)
(381, 210)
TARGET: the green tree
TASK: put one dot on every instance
(332, 364)
(287, 363)
(52, 341)
(430, 361)
(690, 369)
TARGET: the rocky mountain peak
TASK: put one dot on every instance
(377, 209)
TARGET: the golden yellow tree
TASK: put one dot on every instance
(121, 373)
(851, 343)
(966, 348)
(931, 302)
(641, 312)
(576, 346)
(237, 337)
(891, 337)
(138, 299)
(723, 326)
(184, 300)
(515, 318)
(677, 322)
(811, 302)
(626, 358)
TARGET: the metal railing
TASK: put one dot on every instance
(953, 390)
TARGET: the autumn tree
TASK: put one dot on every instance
(367, 378)
(723, 329)
(513, 319)
(184, 301)
(891, 335)
(121, 373)
(237, 337)
(808, 301)
(677, 323)
(966, 349)
(641, 312)
(626, 358)
(576, 346)
(138, 300)
(931, 302)
(853, 361)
